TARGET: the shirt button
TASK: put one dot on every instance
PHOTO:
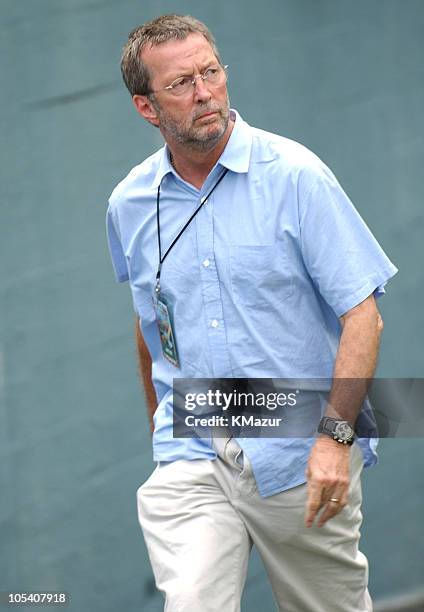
(215, 323)
(206, 263)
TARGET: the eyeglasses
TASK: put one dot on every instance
(214, 76)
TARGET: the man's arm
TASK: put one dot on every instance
(145, 366)
(356, 360)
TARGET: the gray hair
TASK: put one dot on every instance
(166, 27)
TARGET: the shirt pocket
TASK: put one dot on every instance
(260, 278)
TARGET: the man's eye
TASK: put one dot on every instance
(210, 72)
(181, 83)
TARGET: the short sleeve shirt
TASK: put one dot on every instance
(257, 281)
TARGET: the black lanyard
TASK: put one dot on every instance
(162, 259)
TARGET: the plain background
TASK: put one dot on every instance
(343, 78)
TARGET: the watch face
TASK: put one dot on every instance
(343, 431)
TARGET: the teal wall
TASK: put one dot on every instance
(344, 78)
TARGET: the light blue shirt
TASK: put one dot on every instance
(257, 281)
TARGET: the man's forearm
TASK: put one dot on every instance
(356, 361)
(329, 461)
(145, 366)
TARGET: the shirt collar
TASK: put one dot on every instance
(164, 166)
(235, 157)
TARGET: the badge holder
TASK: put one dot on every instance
(165, 323)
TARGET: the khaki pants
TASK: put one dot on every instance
(200, 519)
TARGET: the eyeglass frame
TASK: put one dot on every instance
(170, 87)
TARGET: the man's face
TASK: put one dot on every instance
(198, 119)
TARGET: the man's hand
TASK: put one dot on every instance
(328, 475)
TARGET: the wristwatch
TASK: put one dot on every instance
(341, 431)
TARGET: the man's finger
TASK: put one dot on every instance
(314, 502)
(332, 508)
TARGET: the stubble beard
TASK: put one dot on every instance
(192, 136)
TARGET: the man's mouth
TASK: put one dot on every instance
(208, 114)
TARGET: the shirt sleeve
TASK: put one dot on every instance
(115, 247)
(342, 257)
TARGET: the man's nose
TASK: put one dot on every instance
(201, 92)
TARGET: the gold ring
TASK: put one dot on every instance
(334, 499)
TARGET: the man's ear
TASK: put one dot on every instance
(145, 108)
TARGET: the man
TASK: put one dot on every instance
(245, 260)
